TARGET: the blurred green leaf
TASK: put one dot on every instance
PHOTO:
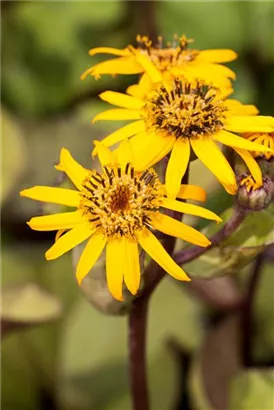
(252, 390)
(14, 154)
(29, 304)
(93, 341)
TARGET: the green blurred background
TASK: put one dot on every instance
(58, 351)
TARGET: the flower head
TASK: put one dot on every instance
(266, 139)
(117, 208)
(180, 116)
(254, 197)
(173, 60)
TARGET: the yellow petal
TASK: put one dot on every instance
(106, 157)
(189, 209)
(118, 114)
(208, 152)
(124, 153)
(120, 65)
(74, 171)
(236, 108)
(252, 165)
(256, 123)
(53, 195)
(122, 133)
(132, 273)
(177, 166)
(193, 192)
(140, 90)
(59, 234)
(157, 252)
(68, 241)
(66, 220)
(110, 50)
(115, 268)
(148, 149)
(209, 71)
(216, 56)
(90, 255)
(172, 227)
(122, 100)
(149, 67)
(232, 140)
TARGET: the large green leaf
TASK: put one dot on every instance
(252, 390)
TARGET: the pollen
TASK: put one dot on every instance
(185, 110)
(165, 57)
(120, 201)
(266, 139)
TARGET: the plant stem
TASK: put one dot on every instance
(137, 355)
(153, 274)
(187, 255)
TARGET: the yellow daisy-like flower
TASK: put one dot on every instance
(176, 59)
(183, 116)
(266, 139)
(117, 208)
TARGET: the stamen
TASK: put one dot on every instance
(187, 109)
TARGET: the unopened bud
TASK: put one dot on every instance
(251, 196)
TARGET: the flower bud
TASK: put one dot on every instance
(95, 288)
(251, 196)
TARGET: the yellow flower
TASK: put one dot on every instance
(266, 139)
(183, 116)
(249, 184)
(116, 208)
(174, 60)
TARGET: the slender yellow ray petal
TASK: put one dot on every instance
(252, 165)
(149, 67)
(189, 209)
(255, 123)
(216, 56)
(132, 273)
(122, 100)
(209, 70)
(74, 171)
(124, 153)
(208, 152)
(122, 133)
(194, 192)
(59, 234)
(110, 50)
(114, 267)
(118, 114)
(90, 255)
(177, 166)
(236, 108)
(106, 157)
(180, 230)
(120, 65)
(66, 220)
(54, 195)
(157, 252)
(141, 89)
(232, 140)
(148, 149)
(68, 241)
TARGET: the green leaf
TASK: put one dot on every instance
(29, 304)
(252, 390)
(94, 347)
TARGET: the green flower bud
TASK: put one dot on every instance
(252, 197)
